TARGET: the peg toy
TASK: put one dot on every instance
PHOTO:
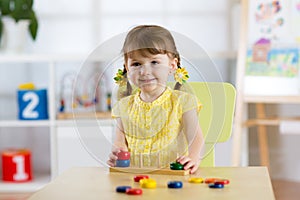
(148, 183)
(175, 184)
(216, 186)
(196, 180)
(123, 166)
(122, 189)
(134, 191)
(139, 177)
(123, 159)
(176, 166)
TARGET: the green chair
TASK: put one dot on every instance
(216, 116)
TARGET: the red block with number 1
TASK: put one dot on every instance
(16, 165)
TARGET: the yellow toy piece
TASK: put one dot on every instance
(26, 86)
(196, 180)
(148, 183)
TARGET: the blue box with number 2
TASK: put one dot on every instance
(33, 104)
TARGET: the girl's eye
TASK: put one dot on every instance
(136, 64)
(154, 62)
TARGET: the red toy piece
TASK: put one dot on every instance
(139, 177)
(134, 191)
(222, 181)
(123, 155)
(16, 165)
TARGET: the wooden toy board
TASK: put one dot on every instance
(162, 171)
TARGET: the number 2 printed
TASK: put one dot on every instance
(29, 112)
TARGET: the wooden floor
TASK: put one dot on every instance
(284, 190)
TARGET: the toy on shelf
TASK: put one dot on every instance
(79, 94)
(32, 102)
(16, 165)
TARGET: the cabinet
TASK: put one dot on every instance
(54, 143)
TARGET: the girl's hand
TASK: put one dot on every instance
(113, 156)
(189, 163)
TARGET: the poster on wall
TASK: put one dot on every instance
(272, 61)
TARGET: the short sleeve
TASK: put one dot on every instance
(190, 102)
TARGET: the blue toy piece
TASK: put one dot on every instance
(122, 189)
(33, 104)
(122, 163)
(175, 184)
(216, 186)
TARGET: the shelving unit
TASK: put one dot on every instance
(13, 131)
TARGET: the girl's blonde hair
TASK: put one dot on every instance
(148, 40)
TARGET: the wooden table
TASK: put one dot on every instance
(98, 183)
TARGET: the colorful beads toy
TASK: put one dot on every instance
(148, 183)
(122, 189)
(175, 184)
(176, 166)
(139, 177)
(216, 186)
(196, 180)
(134, 191)
(122, 163)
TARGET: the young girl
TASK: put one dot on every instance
(156, 124)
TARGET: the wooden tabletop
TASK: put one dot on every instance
(98, 183)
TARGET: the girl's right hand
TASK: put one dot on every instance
(113, 156)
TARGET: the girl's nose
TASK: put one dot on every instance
(145, 69)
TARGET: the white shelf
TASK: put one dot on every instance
(24, 123)
(37, 183)
(47, 123)
(84, 122)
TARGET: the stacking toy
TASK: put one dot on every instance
(123, 159)
(176, 166)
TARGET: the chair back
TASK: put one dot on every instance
(216, 115)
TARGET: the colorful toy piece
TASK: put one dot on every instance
(148, 183)
(216, 186)
(210, 180)
(139, 177)
(16, 165)
(122, 189)
(123, 155)
(222, 181)
(123, 159)
(175, 184)
(33, 104)
(134, 191)
(217, 181)
(122, 163)
(196, 180)
(176, 166)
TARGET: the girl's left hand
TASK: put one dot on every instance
(189, 163)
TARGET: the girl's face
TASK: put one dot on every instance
(150, 73)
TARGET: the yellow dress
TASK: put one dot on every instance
(153, 130)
